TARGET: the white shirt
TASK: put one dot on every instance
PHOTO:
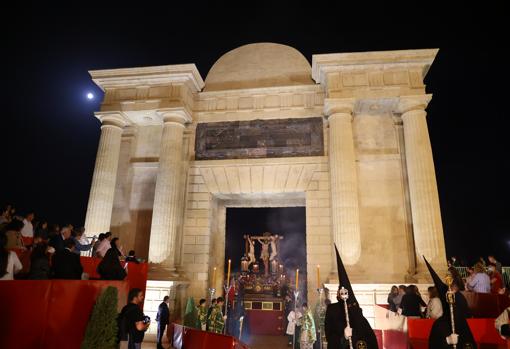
(480, 282)
(103, 247)
(434, 308)
(291, 327)
(14, 266)
(28, 229)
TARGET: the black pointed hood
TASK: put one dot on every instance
(441, 287)
(362, 334)
(343, 279)
(442, 326)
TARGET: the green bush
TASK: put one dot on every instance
(101, 330)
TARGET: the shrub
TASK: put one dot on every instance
(101, 332)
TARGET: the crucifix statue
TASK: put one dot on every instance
(265, 241)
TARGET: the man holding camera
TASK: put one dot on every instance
(132, 321)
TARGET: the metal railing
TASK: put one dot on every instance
(463, 271)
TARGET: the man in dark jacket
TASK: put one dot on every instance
(338, 332)
(132, 322)
(66, 264)
(57, 241)
(162, 318)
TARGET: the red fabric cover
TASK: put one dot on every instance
(185, 337)
(265, 322)
(484, 305)
(27, 241)
(483, 330)
(49, 313)
(379, 336)
(393, 339)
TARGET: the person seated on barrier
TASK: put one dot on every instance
(110, 268)
(132, 257)
(66, 264)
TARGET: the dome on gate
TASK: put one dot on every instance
(259, 65)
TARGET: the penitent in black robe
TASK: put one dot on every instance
(363, 337)
(442, 326)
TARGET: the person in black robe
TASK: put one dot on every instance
(441, 334)
(335, 324)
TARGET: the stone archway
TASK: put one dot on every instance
(273, 182)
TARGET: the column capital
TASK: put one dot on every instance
(338, 105)
(175, 115)
(409, 103)
(115, 118)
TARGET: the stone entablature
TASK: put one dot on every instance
(373, 74)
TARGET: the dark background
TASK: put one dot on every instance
(289, 222)
(49, 136)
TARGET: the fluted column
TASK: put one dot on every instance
(167, 199)
(344, 180)
(425, 210)
(102, 190)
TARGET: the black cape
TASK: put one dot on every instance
(363, 337)
(442, 326)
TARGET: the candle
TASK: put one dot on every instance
(228, 272)
(297, 279)
(214, 277)
(318, 276)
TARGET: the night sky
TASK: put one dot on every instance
(49, 136)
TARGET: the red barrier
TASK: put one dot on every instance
(136, 273)
(49, 313)
(485, 305)
(484, 332)
(185, 337)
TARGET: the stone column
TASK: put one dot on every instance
(168, 203)
(344, 179)
(425, 210)
(102, 190)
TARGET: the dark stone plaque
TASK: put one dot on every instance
(259, 139)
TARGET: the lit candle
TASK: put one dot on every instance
(228, 272)
(318, 276)
(214, 277)
(297, 279)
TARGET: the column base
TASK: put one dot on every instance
(164, 273)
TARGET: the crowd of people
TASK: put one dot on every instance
(407, 301)
(54, 251)
(482, 277)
